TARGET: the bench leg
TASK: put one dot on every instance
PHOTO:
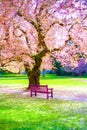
(30, 93)
(51, 94)
(35, 93)
(47, 95)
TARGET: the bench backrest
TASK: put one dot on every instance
(40, 88)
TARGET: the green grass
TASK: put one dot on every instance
(20, 112)
(61, 81)
(24, 113)
(13, 79)
(51, 80)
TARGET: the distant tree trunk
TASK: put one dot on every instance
(80, 73)
(43, 72)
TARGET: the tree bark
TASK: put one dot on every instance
(34, 74)
(34, 77)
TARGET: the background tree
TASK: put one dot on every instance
(82, 66)
(30, 29)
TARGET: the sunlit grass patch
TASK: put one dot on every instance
(50, 79)
(19, 112)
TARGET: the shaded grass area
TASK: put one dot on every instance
(24, 113)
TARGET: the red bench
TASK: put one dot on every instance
(34, 89)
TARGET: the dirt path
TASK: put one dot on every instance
(61, 94)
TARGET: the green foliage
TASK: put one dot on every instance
(2, 71)
(60, 69)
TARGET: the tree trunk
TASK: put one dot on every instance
(34, 77)
(34, 74)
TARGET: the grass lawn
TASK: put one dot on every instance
(20, 112)
(51, 79)
(24, 113)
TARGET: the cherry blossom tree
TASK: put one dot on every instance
(70, 55)
(32, 29)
